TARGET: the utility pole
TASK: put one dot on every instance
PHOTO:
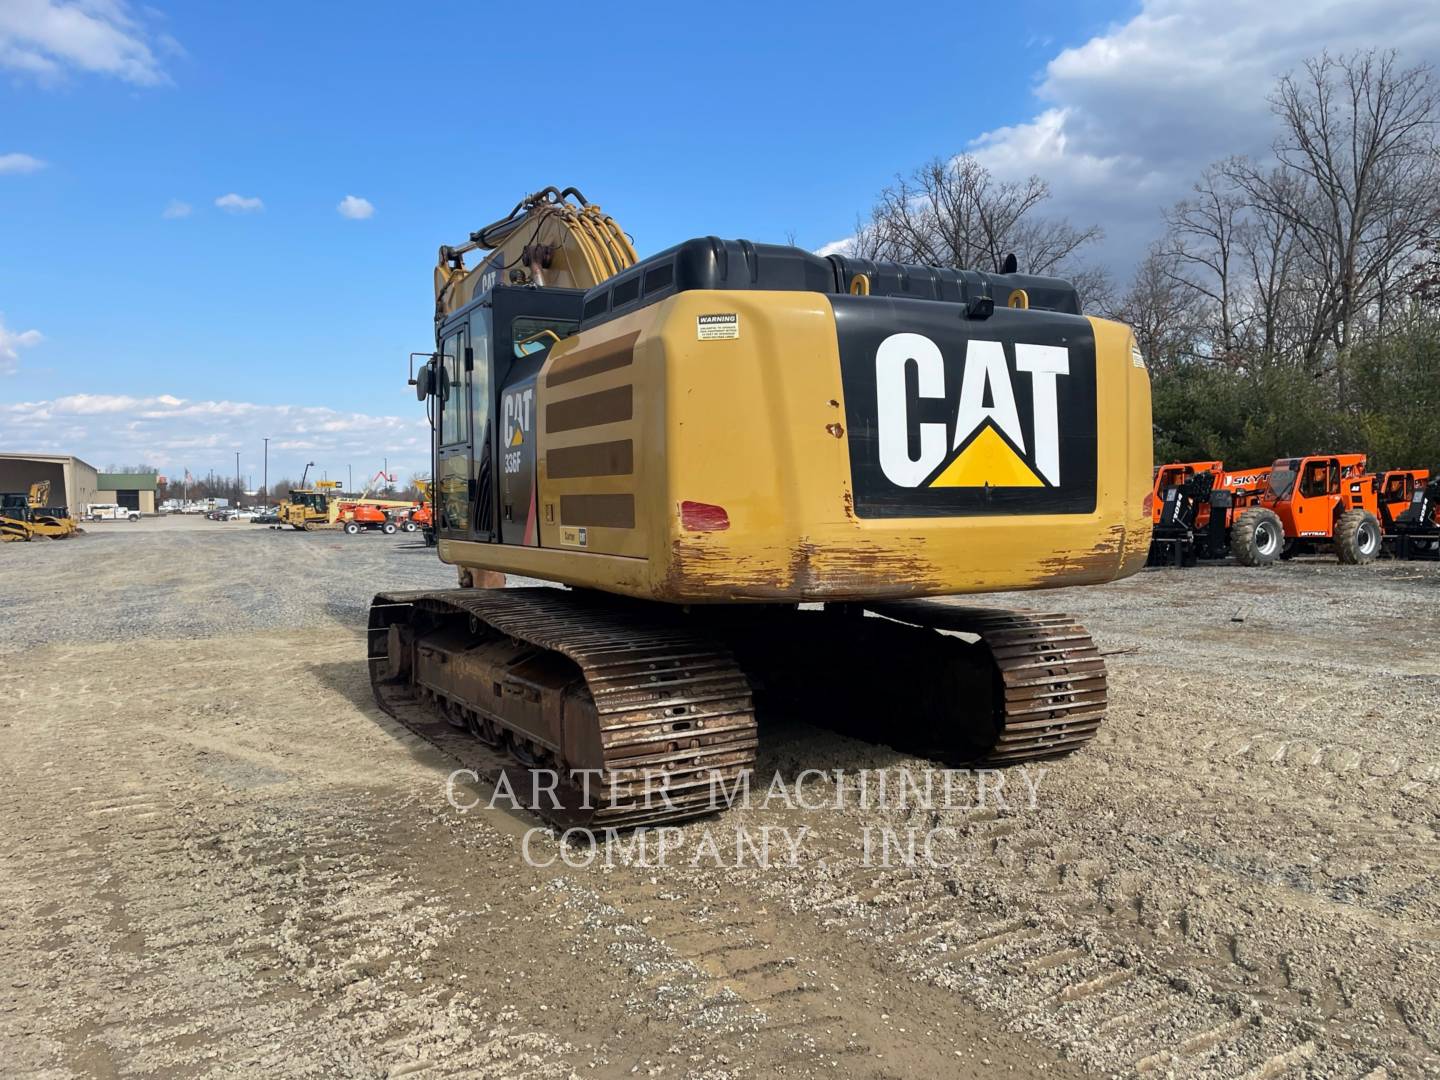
(350, 482)
(238, 488)
(265, 481)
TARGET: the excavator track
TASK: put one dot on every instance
(657, 721)
(1051, 694)
(656, 707)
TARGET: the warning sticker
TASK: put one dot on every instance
(724, 327)
(1136, 357)
(573, 537)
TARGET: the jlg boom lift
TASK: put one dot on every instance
(697, 443)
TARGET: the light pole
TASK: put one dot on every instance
(350, 481)
(265, 476)
(238, 489)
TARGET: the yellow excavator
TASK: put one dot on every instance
(744, 467)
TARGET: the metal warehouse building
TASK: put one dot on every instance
(133, 491)
(73, 482)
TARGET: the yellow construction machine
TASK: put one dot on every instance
(24, 517)
(54, 522)
(732, 453)
(311, 508)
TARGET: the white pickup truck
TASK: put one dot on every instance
(110, 512)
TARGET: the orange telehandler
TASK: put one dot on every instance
(1317, 502)
(1417, 528)
(1193, 505)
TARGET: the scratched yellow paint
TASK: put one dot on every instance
(755, 424)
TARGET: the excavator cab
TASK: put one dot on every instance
(485, 478)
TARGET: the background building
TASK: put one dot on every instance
(73, 482)
(134, 491)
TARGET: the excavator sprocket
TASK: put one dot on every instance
(654, 708)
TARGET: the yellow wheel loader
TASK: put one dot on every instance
(726, 456)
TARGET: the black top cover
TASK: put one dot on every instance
(712, 263)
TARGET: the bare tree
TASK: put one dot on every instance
(956, 213)
(1162, 309)
(1200, 253)
(1357, 185)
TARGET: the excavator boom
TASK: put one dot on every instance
(552, 238)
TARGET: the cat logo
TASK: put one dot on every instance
(517, 407)
(989, 448)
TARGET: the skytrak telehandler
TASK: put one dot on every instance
(1324, 501)
(698, 443)
(1417, 529)
(1193, 507)
(1394, 492)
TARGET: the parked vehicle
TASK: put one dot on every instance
(110, 512)
(1417, 529)
(1323, 501)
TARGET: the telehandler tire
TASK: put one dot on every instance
(1257, 537)
(1357, 537)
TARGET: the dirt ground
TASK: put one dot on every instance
(218, 858)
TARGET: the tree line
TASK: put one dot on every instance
(215, 485)
(1290, 305)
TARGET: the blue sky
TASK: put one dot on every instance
(128, 334)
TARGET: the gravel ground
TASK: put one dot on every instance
(218, 858)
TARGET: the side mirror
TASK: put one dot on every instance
(424, 382)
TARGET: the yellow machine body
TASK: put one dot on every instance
(687, 468)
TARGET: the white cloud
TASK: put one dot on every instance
(239, 204)
(175, 433)
(48, 38)
(355, 208)
(1128, 119)
(11, 342)
(19, 163)
(176, 209)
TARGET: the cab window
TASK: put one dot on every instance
(1316, 480)
(528, 332)
(454, 386)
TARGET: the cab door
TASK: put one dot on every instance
(1317, 492)
(453, 471)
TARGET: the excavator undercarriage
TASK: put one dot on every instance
(639, 714)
